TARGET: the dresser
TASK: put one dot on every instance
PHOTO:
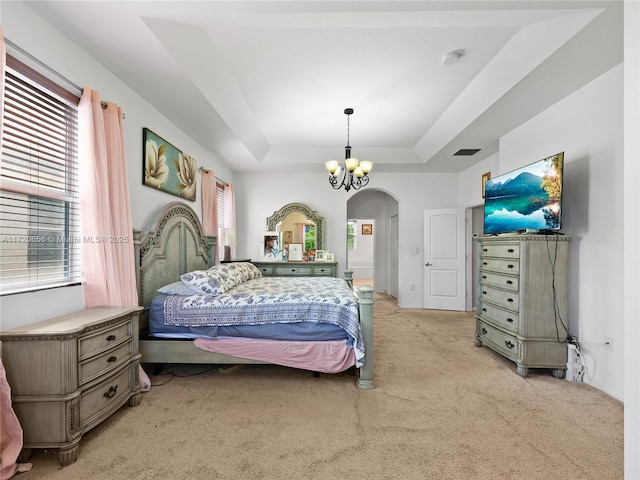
(70, 373)
(522, 300)
(297, 269)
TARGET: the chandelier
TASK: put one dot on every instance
(354, 174)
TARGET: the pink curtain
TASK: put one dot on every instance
(230, 211)
(105, 208)
(209, 199)
(10, 429)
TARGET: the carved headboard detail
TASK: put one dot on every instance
(174, 244)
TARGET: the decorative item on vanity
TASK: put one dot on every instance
(355, 173)
(229, 241)
(271, 250)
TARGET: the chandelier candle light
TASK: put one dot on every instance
(355, 173)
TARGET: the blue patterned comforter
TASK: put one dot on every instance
(273, 300)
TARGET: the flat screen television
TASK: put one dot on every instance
(527, 199)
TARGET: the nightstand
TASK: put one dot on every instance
(70, 373)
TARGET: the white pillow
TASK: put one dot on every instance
(213, 281)
(176, 288)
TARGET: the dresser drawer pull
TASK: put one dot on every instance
(509, 344)
(510, 300)
(485, 264)
(484, 277)
(111, 338)
(484, 331)
(509, 282)
(293, 269)
(511, 250)
(484, 292)
(111, 392)
(510, 320)
(510, 266)
(485, 249)
(484, 309)
(111, 359)
(322, 269)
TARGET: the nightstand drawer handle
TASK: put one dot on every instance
(484, 292)
(111, 392)
(511, 250)
(485, 249)
(510, 320)
(111, 338)
(509, 344)
(509, 282)
(111, 359)
(484, 277)
(509, 266)
(484, 331)
(510, 300)
(484, 309)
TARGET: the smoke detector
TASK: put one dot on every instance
(452, 57)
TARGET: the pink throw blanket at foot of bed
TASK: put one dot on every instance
(321, 356)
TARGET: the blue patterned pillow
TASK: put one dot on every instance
(247, 270)
(214, 281)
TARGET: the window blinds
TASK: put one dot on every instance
(39, 218)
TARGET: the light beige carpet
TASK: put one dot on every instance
(442, 409)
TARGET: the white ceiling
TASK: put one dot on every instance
(265, 83)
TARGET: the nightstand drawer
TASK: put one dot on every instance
(97, 341)
(100, 400)
(101, 364)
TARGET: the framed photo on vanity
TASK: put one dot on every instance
(295, 252)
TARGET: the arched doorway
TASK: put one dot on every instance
(373, 256)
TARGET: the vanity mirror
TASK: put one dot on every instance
(298, 224)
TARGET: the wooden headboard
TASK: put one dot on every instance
(173, 245)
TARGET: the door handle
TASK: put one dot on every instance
(428, 265)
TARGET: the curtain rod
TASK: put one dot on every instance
(202, 169)
(42, 65)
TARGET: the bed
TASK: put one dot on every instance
(174, 246)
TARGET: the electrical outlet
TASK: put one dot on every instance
(608, 343)
(413, 287)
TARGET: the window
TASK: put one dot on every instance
(220, 199)
(39, 224)
(351, 235)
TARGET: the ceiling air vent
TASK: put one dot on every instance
(466, 152)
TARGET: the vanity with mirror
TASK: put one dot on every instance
(302, 234)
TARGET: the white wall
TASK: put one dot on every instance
(257, 197)
(588, 127)
(32, 34)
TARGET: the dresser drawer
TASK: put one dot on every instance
(500, 265)
(301, 271)
(499, 280)
(100, 400)
(96, 341)
(323, 272)
(267, 270)
(506, 319)
(504, 250)
(100, 365)
(507, 345)
(502, 298)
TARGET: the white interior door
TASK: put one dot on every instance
(444, 259)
